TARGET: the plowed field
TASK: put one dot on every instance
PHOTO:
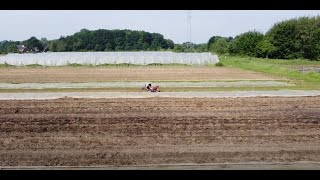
(103, 132)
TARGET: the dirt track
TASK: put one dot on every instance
(93, 132)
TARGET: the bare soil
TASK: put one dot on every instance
(128, 132)
(103, 74)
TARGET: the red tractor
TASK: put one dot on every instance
(149, 88)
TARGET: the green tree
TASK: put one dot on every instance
(112, 40)
(220, 46)
(33, 43)
(212, 40)
(296, 38)
(246, 44)
(61, 46)
(178, 48)
(9, 47)
(12, 48)
(265, 48)
(201, 47)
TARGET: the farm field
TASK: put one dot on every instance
(132, 79)
(107, 74)
(155, 131)
(185, 98)
(98, 117)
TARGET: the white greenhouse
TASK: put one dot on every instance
(97, 58)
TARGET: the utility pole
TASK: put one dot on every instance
(189, 44)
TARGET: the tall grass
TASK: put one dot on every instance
(34, 65)
(5, 65)
(274, 67)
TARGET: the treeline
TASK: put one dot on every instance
(111, 40)
(190, 47)
(290, 39)
(32, 43)
(98, 40)
(8, 47)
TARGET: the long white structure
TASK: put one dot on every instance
(96, 58)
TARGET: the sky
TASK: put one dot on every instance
(172, 24)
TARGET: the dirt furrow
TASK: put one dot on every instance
(89, 132)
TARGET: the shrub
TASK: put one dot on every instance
(219, 64)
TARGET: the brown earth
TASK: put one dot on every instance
(99, 132)
(100, 74)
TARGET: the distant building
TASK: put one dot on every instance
(22, 48)
(35, 49)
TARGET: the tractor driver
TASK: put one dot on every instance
(148, 87)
